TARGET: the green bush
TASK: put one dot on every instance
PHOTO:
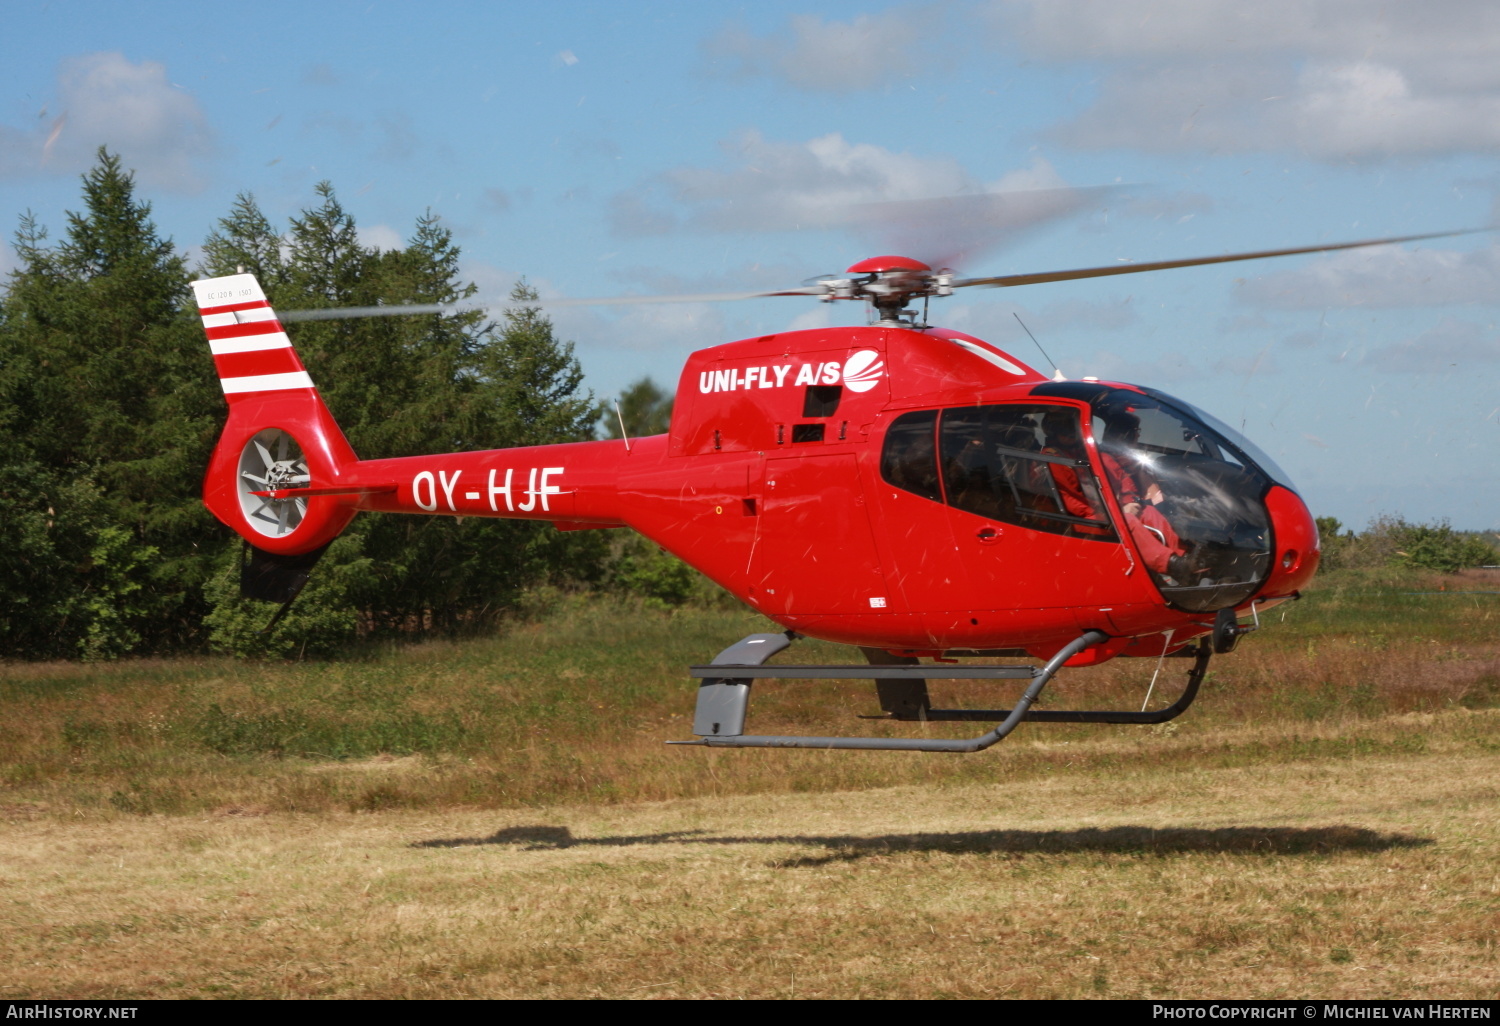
(1439, 547)
(1335, 543)
(661, 579)
(1393, 544)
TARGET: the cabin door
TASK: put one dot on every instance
(814, 551)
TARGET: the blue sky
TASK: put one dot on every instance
(610, 148)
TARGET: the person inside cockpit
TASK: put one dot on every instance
(1140, 497)
(1061, 430)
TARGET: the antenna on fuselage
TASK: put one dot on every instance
(621, 418)
(1059, 374)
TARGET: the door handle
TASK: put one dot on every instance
(988, 534)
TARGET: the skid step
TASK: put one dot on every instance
(724, 696)
(824, 671)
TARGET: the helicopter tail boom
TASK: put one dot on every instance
(285, 478)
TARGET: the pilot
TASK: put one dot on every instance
(1124, 466)
(1154, 535)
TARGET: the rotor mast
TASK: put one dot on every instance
(888, 283)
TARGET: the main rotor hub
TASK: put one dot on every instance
(888, 283)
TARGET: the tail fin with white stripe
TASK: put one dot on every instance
(279, 475)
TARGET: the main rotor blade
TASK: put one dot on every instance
(1008, 280)
(416, 309)
(952, 231)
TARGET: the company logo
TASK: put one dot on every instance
(863, 370)
(860, 373)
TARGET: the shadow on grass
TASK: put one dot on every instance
(1123, 840)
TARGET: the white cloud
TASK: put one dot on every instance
(1382, 276)
(380, 236)
(829, 56)
(746, 277)
(158, 129)
(1335, 79)
(1070, 29)
(820, 316)
(610, 333)
(1462, 30)
(1062, 329)
(672, 328)
(494, 282)
(784, 185)
(1452, 344)
(930, 208)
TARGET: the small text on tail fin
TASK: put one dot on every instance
(251, 349)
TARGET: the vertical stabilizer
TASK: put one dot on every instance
(277, 470)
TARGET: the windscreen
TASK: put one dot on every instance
(1193, 502)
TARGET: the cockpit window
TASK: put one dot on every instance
(1023, 465)
(1190, 493)
(1255, 453)
(1193, 503)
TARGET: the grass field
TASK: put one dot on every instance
(500, 818)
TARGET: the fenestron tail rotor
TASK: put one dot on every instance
(270, 462)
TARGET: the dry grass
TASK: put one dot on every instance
(500, 819)
(1337, 878)
(576, 707)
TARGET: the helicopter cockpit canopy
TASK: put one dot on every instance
(1192, 494)
(1190, 491)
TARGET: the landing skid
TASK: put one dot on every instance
(723, 699)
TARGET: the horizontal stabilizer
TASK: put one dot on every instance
(297, 493)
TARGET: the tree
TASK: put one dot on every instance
(645, 409)
(1391, 542)
(106, 396)
(110, 406)
(246, 240)
(1335, 543)
(1439, 547)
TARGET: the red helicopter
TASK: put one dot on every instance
(907, 489)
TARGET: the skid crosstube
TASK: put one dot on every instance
(724, 696)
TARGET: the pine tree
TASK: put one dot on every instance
(644, 408)
(107, 398)
(245, 242)
(109, 407)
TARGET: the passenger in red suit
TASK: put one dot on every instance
(1063, 439)
(1154, 537)
(1153, 534)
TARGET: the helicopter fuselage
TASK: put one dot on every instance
(911, 489)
